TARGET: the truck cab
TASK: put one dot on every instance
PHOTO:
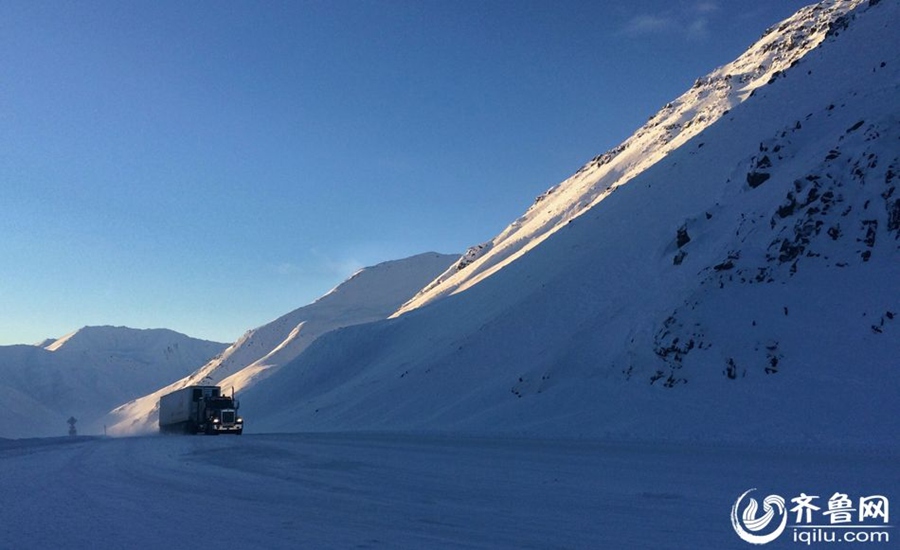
(221, 416)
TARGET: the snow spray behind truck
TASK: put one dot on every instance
(199, 409)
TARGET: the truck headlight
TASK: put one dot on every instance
(240, 420)
(215, 420)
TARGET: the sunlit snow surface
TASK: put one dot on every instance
(402, 491)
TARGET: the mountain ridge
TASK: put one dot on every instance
(711, 97)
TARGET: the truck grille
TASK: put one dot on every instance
(227, 417)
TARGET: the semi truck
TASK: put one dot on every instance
(200, 410)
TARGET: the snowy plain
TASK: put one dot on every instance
(403, 491)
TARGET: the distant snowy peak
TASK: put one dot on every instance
(370, 294)
(392, 279)
(779, 49)
(87, 372)
(109, 338)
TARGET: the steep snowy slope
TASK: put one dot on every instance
(86, 372)
(744, 284)
(707, 101)
(369, 295)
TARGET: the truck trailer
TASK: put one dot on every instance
(200, 410)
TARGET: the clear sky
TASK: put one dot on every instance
(210, 166)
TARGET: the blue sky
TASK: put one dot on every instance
(210, 166)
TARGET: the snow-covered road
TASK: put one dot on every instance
(397, 491)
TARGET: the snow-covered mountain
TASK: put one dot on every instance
(371, 294)
(87, 372)
(731, 271)
(711, 97)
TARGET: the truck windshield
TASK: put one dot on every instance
(222, 403)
